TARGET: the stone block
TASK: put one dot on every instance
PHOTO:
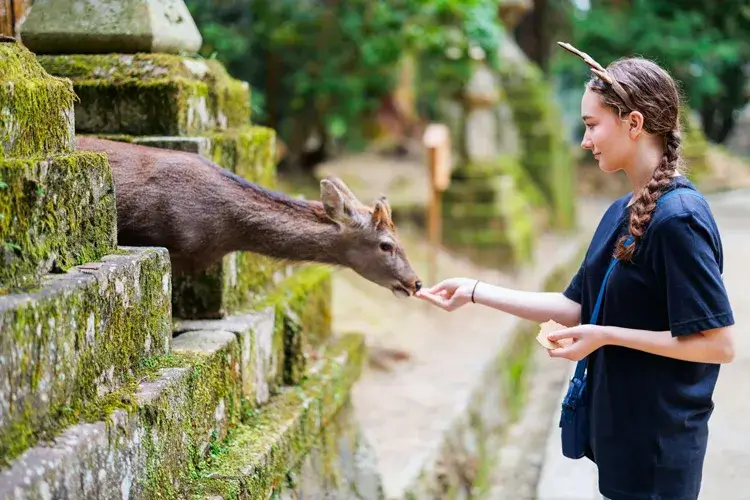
(104, 26)
(228, 287)
(248, 151)
(151, 94)
(77, 339)
(492, 211)
(282, 434)
(176, 416)
(55, 212)
(36, 109)
(262, 351)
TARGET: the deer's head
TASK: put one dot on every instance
(369, 245)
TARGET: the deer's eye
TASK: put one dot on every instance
(385, 246)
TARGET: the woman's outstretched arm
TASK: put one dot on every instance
(453, 293)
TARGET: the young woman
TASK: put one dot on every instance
(664, 325)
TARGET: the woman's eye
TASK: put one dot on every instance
(386, 247)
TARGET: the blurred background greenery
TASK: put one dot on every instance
(328, 66)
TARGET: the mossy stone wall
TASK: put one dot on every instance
(36, 109)
(490, 212)
(77, 339)
(276, 440)
(55, 212)
(151, 94)
(545, 154)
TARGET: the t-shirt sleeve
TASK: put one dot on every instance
(573, 290)
(687, 259)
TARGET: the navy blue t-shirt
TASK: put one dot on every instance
(649, 413)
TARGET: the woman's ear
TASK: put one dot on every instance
(635, 124)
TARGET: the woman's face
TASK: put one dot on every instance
(606, 134)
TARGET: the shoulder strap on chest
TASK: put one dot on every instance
(581, 367)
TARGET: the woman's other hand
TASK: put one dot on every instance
(449, 294)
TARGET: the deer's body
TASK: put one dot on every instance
(201, 212)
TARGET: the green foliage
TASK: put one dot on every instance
(330, 64)
(704, 45)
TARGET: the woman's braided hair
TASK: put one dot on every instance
(649, 89)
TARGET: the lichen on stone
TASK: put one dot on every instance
(36, 109)
(55, 212)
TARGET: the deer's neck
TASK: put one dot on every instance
(283, 227)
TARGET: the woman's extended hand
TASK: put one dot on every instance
(449, 294)
(586, 339)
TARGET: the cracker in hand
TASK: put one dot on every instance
(547, 328)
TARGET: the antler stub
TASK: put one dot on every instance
(596, 68)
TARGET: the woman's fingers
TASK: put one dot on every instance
(435, 299)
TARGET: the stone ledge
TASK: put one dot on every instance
(282, 434)
(151, 94)
(177, 415)
(55, 212)
(292, 319)
(36, 109)
(78, 339)
(262, 353)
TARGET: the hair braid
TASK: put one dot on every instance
(644, 205)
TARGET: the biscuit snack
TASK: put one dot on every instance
(547, 328)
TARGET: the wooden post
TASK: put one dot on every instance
(437, 141)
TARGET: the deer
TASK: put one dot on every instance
(200, 212)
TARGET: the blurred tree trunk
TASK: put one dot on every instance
(541, 28)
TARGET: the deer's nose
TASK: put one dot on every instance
(417, 285)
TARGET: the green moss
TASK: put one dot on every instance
(35, 108)
(302, 304)
(284, 431)
(489, 212)
(56, 212)
(225, 288)
(151, 94)
(545, 154)
(76, 340)
(187, 425)
(248, 151)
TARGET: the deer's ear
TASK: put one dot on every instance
(336, 204)
(381, 214)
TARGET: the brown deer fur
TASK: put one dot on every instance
(200, 212)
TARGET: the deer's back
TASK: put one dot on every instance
(164, 198)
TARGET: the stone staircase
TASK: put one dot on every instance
(118, 379)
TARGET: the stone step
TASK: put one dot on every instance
(76, 339)
(55, 212)
(37, 109)
(153, 440)
(303, 443)
(300, 306)
(151, 94)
